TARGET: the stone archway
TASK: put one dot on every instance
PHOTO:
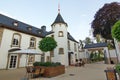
(96, 47)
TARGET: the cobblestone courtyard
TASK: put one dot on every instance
(93, 71)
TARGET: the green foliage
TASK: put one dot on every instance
(81, 44)
(91, 56)
(98, 38)
(96, 56)
(47, 44)
(116, 31)
(99, 58)
(105, 18)
(88, 40)
(117, 68)
(47, 64)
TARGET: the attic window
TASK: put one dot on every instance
(39, 32)
(29, 28)
(15, 23)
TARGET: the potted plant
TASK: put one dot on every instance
(51, 69)
(117, 69)
(47, 44)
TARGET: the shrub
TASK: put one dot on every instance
(117, 68)
(47, 64)
(47, 44)
(116, 31)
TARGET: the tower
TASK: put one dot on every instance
(59, 27)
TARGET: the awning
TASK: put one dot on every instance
(26, 51)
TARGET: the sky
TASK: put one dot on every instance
(78, 14)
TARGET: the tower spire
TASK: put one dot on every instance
(59, 8)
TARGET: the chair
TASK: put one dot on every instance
(29, 71)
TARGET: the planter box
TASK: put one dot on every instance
(53, 71)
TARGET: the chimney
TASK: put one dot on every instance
(43, 28)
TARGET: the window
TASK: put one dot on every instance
(39, 32)
(15, 23)
(60, 34)
(29, 28)
(32, 42)
(16, 40)
(61, 51)
(68, 45)
(52, 36)
(52, 53)
(75, 48)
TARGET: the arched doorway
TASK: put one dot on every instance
(97, 47)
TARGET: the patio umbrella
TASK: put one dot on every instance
(26, 52)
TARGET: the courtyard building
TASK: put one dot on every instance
(19, 36)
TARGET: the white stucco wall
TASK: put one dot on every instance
(82, 54)
(72, 50)
(62, 43)
(6, 45)
(112, 53)
(117, 45)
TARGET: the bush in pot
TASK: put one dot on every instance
(117, 68)
(51, 68)
(46, 64)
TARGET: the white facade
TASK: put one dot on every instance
(6, 46)
(61, 43)
(60, 33)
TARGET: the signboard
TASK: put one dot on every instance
(111, 75)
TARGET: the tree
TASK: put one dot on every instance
(47, 44)
(98, 38)
(116, 31)
(105, 18)
(88, 40)
(81, 44)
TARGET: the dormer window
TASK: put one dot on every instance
(15, 23)
(29, 28)
(39, 32)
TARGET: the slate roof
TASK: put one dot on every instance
(95, 45)
(71, 38)
(7, 22)
(22, 27)
(59, 19)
